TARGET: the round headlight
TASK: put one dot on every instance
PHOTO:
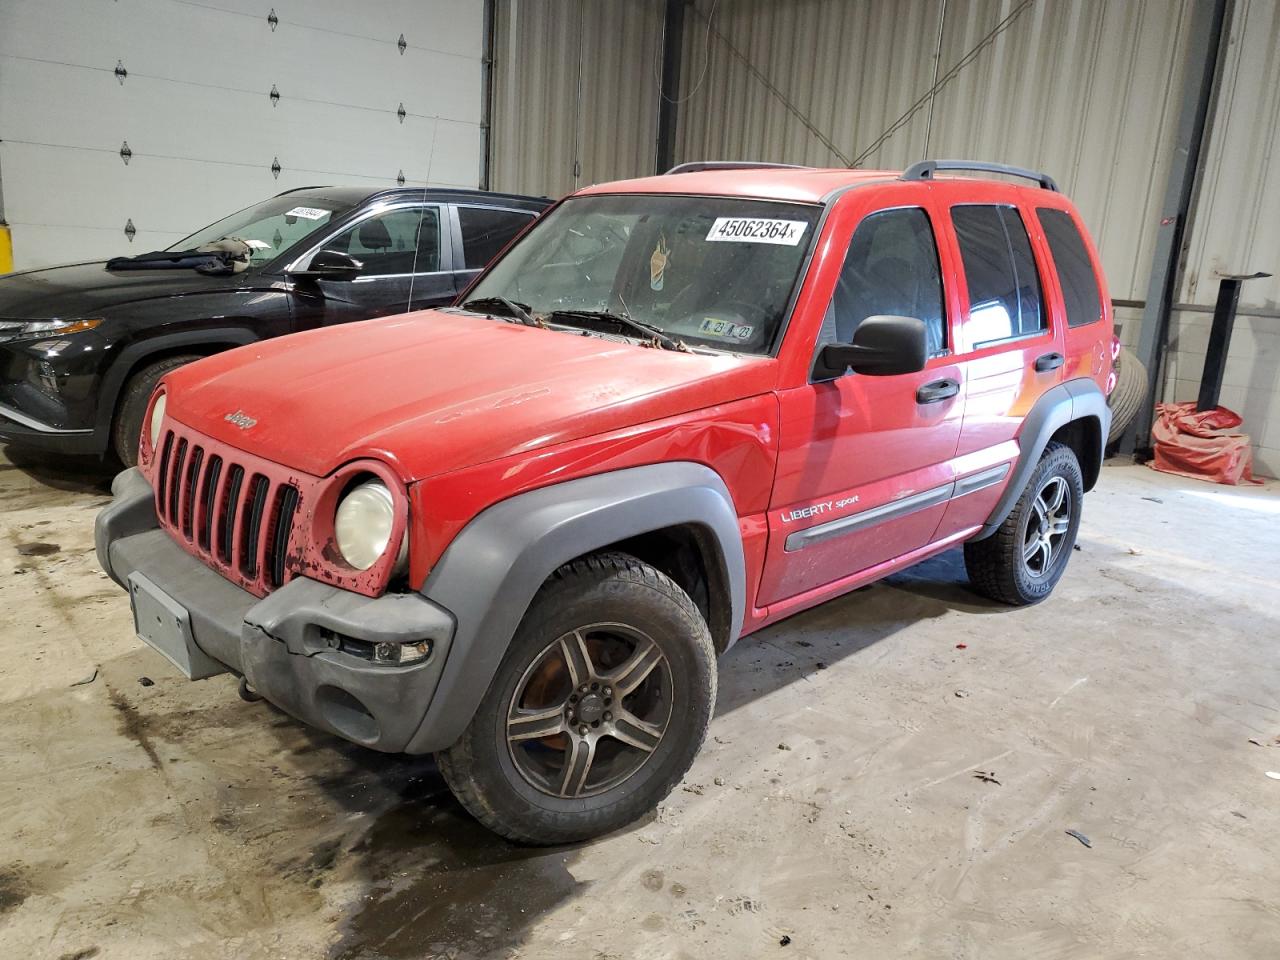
(157, 418)
(362, 525)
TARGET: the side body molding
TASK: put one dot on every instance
(490, 573)
(1071, 400)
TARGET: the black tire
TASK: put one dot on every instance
(497, 779)
(1126, 399)
(998, 565)
(132, 406)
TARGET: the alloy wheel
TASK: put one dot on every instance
(590, 710)
(1047, 526)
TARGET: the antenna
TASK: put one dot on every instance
(422, 212)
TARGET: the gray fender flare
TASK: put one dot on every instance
(490, 573)
(1068, 401)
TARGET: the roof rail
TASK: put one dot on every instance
(696, 165)
(925, 170)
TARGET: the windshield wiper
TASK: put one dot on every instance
(649, 330)
(517, 311)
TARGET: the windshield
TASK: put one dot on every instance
(270, 227)
(711, 271)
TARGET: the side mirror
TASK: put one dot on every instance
(882, 346)
(331, 265)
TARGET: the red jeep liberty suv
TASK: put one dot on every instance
(516, 532)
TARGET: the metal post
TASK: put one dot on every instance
(1210, 30)
(672, 54)
(1224, 321)
(486, 93)
(6, 238)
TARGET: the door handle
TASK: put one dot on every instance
(937, 390)
(1049, 361)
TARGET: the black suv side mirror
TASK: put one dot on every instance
(331, 265)
(882, 346)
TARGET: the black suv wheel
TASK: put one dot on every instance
(132, 406)
(1024, 559)
(597, 711)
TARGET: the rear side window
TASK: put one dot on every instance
(891, 268)
(1004, 289)
(485, 232)
(1080, 291)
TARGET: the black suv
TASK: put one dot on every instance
(82, 346)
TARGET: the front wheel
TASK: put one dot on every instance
(1023, 560)
(132, 406)
(597, 710)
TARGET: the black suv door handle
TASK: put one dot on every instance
(938, 390)
(1049, 361)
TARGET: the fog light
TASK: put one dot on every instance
(387, 652)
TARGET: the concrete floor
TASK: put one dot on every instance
(839, 803)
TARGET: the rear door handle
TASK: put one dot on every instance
(937, 390)
(1049, 361)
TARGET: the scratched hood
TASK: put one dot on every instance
(432, 392)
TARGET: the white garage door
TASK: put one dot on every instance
(187, 84)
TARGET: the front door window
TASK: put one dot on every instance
(394, 243)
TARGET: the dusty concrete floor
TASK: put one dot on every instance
(838, 804)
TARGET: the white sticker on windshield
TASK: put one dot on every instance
(726, 329)
(757, 230)
(258, 245)
(308, 213)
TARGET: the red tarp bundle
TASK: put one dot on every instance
(1200, 445)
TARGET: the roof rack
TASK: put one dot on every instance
(697, 165)
(925, 170)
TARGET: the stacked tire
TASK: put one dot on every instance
(1128, 396)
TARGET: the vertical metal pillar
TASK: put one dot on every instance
(672, 54)
(6, 238)
(1224, 321)
(486, 93)
(1210, 29)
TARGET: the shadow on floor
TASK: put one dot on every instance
(435, 881)
(91, 475)
(801, 645)
(438, 883)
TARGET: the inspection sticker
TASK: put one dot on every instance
(725, 329)
(308, 213)
(757, 230)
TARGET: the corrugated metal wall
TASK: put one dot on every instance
(1236, 229)
(1083, 89)
(575, 92)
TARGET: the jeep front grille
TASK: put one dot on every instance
(233, 510)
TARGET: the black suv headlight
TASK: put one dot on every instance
(33, 329)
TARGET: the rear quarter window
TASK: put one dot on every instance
(485, 232)
(1080, 293)
(1000, 271)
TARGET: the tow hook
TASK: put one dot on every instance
(246, 692)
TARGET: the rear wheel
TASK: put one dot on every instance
(1024, 559)
(132, 406)
(596, 712)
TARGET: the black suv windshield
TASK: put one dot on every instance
(714, 271)
(270, 227)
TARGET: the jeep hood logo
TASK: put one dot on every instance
(240, 419)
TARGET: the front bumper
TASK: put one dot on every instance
(26, 431)
(49, 393)
(286, 644)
